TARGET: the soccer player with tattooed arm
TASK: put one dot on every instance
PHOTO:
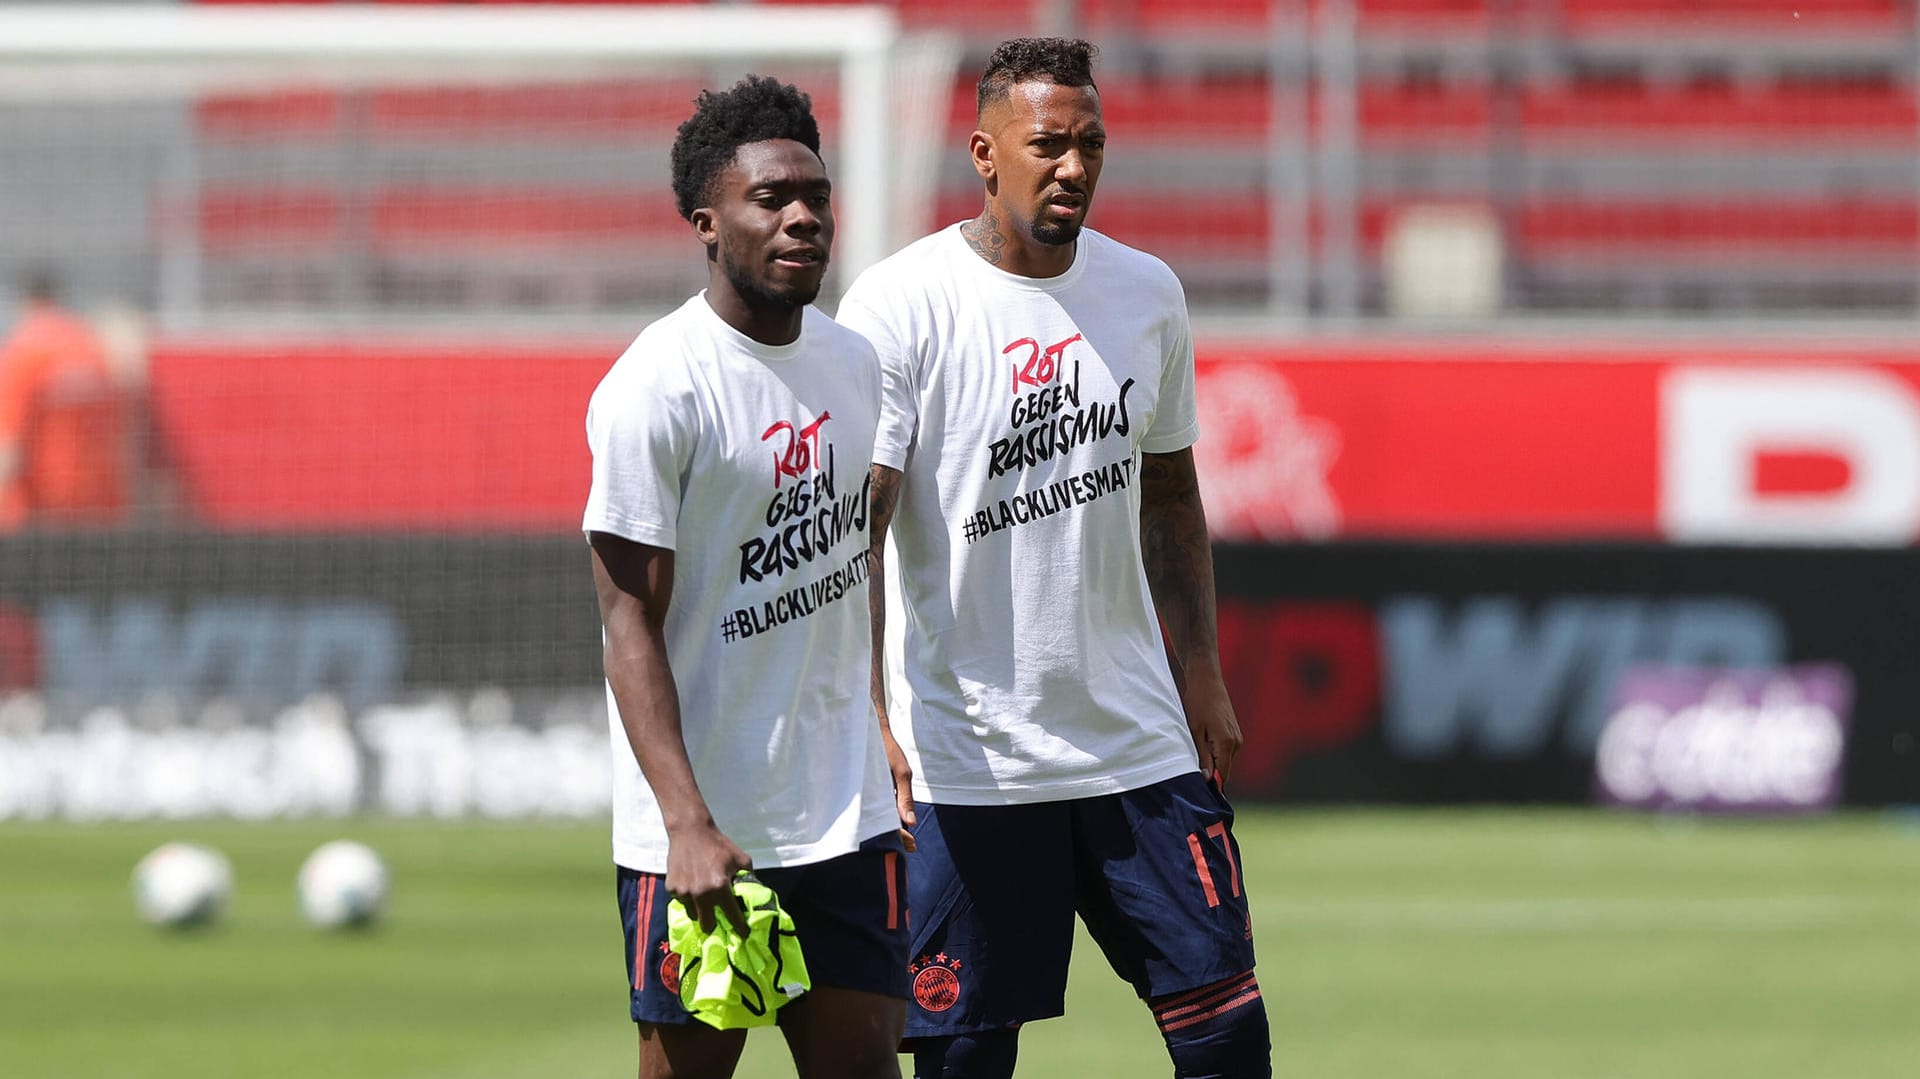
(1034, 469)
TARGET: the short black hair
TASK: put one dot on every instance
(756, 109)
(1063, 61)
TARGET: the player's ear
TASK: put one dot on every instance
(980, 149)
(705, 228)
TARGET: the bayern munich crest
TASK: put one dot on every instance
(669, 969)
(936, 981)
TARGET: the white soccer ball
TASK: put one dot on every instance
(182, 884)
(343, 883)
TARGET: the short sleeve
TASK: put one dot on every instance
(641, 435)
(866, 314)
(1176, 423)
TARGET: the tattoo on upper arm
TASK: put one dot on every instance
(1170, 508)
(1177, 549)
(883, 496)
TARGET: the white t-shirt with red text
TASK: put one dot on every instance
(750, 463)
(1024, 655)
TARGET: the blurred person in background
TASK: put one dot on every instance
(727, 521)
(1035, 464)
(63, 458)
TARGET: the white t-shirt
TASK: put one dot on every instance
(750, 463)
(1023, 651)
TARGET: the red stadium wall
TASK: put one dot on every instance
(1360, 439)
(359, 437)
(1545, 440)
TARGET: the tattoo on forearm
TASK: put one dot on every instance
(882, 496)
(1178, 553)
(983, 235)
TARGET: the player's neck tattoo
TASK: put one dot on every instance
(984, 236)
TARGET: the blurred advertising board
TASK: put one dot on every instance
(1486, 439)
(1394, 673)
(1725, 741)
(172, 674)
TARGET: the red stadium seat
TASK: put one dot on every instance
(1721, 230)
(1803, 115)
(281, 220)
(1682, 16)
(434, 219)
(558, 111)
(1240, 16)
(409, 218)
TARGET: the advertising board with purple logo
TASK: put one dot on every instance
(1726, 740)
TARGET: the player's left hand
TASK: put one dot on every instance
(1215, 728)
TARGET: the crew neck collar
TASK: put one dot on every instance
(758, 348)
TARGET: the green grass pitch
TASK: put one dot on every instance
(1481, 943)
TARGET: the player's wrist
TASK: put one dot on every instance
(1203, 666)
(689, 822)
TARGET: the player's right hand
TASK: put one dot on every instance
(902, 786)
(701, 864)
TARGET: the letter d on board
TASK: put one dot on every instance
(1718, 423)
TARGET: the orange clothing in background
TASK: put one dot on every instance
(61, 415)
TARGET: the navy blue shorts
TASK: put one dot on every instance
(1154, 873)
(849, 912)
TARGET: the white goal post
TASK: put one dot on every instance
(891, 89)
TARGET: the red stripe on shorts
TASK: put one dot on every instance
(1200, 868)
(893, 892)
(642, 907)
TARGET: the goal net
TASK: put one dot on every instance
(356, 270)
(349, 164)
